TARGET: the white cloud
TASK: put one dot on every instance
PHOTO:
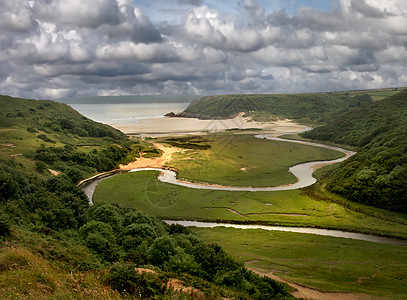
(57, 47)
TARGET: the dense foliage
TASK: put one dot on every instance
(377, 175)
(121, 240)
(320, 107)
(76, 163)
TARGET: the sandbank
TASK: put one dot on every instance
(183, 125)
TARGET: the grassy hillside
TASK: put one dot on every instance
(53, 245)
(316, 107)
(43, 135)
(377, 175)
(49, 117)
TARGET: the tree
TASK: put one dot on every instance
(161, 250)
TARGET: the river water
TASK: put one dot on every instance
(309, 230)
(303, 172)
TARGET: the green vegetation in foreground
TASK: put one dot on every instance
(325, 263)
(143, 191)
(242, 160)
(314, 107)
(377, 174)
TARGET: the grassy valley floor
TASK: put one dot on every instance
(241, 159)
(142, 191)
(324, 263)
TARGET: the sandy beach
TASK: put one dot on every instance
(186, 125)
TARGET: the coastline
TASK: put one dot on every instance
(179, 125)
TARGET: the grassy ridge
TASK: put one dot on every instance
(316, 107)
(42, 135)
(50, 117)
(377, 175)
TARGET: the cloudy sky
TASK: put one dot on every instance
(59, 48)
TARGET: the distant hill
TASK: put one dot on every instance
(377, 175)
(130, 99)
(51, 117)
(319, 107)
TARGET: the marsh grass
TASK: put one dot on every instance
(325, 263)
(243, 160)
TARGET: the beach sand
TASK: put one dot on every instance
(192, 125)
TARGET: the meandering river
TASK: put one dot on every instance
(303, 172)
(309, 230)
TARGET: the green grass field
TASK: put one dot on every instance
(243, 160)
(144, 192)
(325, 263)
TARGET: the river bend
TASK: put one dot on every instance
(303, 172)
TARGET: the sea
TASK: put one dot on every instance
(127, 113)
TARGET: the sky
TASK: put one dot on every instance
(58, 48)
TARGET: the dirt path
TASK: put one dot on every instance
(156, 162)
(304, 292)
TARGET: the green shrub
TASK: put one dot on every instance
(125, 279)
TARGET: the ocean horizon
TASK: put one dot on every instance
(127, 113)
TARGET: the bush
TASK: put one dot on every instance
(99, 237)
(125, 279)
(40, 166)
(4, 226)
(161, 250)
(45, 138)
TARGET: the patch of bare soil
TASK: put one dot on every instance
(179, 286)
(142, 270)
(156, 162)
(304, 292)
(53, 172)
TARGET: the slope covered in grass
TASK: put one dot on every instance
(43, 135)
(317, 107)
(377, 175)
(50, 117)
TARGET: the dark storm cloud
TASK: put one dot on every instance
(362, 7)
(56, 48)
(190, 2)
